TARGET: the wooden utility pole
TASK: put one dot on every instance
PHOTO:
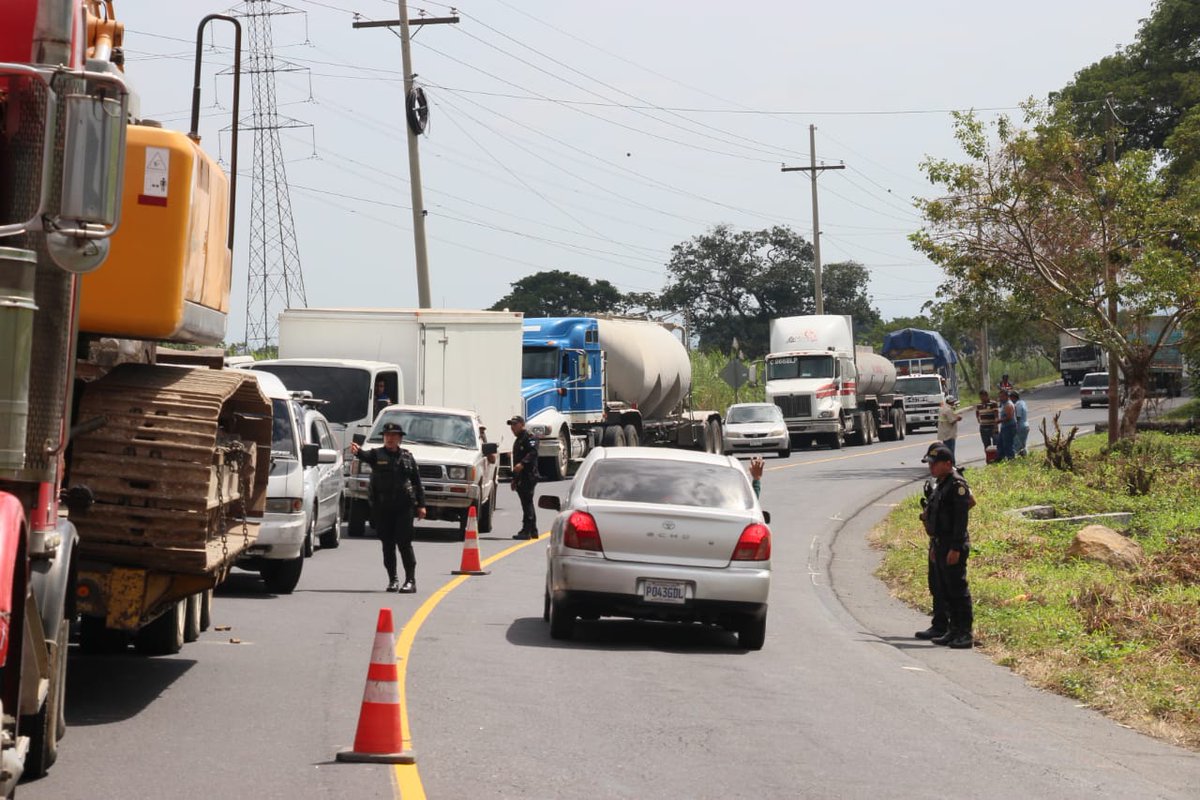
(1114, 388)
(813, 171)
(414, 158)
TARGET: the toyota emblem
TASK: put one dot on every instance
(668, 525)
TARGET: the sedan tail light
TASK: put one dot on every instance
(581, 532)
(754, 544)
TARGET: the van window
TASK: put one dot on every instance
(283, 439)
(346, 390)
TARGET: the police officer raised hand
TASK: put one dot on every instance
(396, 496)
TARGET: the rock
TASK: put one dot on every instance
(1098, 543)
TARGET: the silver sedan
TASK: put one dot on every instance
(661, 535)
(756, 427)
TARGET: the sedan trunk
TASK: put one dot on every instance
(668, 534)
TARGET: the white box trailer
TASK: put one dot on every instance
(460, 359)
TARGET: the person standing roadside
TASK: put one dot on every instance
(525, 476)
(396, 495)
(947, 423)
(1008, 427)
(946, 520)
(1022, 417)
(987, 414)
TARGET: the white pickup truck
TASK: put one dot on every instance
(457, 465)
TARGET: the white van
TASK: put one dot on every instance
(278, 552)
(349, 387)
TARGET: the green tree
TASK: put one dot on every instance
(1033, 217)
(555, 293)
(731, 283)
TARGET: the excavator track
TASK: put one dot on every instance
(172, 456)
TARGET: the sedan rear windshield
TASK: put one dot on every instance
(664, 482)
(1095, 380)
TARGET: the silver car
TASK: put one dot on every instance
(756, 427)
(662, 535)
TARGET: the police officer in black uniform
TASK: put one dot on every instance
(946, 513)
(524, 476)
(396, 494)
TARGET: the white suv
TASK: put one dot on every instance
(323, 482)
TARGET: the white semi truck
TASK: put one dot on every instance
(828, 389)
(1077, 357)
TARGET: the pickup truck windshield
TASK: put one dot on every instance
(540, 362)
(424, 427)
(345, 390)
(910, 386)
(787, 367)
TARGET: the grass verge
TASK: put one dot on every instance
(1126, 643)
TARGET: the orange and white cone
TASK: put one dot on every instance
(470, 556)
(379, 739)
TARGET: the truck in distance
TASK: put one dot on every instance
(827, 389)
(926, 373)
(1078, 357)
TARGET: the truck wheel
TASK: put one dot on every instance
(163, 636)
(486, 512)
(837, 439)
(614, 436)
(631, 436)
(191, 627)
(331, 538)
(281, 577)
(556, 468)
(902, 426)
(716, 436)
(43, 726)
(359, 511)
(206, 601)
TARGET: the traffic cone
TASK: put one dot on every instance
(379, 739)
(470, 557)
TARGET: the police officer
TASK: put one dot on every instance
(524, 476)
(946, 512)
(396, 494)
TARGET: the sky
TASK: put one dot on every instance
(592, 137)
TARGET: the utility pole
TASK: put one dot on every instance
(814, 170)
(1111, 285)
(417, 114)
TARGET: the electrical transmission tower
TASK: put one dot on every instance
(274, 281)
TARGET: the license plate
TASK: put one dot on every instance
(664, 591)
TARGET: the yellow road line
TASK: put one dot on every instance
(408, 779)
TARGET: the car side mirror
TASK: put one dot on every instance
(327, 456)
(490, 448)
(550, 502)
(310, 455)
(767, 517)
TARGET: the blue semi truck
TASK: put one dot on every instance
(589, 382)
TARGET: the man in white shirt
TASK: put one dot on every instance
(947, 424)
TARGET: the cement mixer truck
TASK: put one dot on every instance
(589, 382)
(829, 390)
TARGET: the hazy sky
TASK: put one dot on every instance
(591, 137)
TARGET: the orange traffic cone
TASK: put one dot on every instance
(379, 739)
(470, 557)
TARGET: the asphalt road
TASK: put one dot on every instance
(841, 703)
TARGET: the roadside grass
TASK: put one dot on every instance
(710, 392)
(1126, 643)
(1188, 410)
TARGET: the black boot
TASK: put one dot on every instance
(961, 641)
(945, 638)
(410, 586)
(393, 585)
(932, 632)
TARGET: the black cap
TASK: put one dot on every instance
(392, 427)
(515, 418)
(938, 452)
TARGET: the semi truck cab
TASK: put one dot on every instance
(812, 388)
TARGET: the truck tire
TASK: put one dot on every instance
(281, 577)
(359, 511)
(191, 625)
(43, 727)
(164, 636)
(556, 468)
(631, 436)
(206, 601)
(901, 425)
(716, 436)
(614, 436)
(486, 512)
(858, 437)
(869, 430)
(837, 439)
